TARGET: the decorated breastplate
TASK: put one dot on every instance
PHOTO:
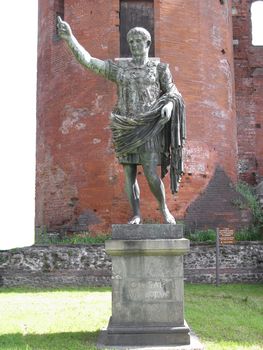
(138, 88)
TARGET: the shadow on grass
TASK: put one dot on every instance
(87, 341)
(51, 341)
(77, 289)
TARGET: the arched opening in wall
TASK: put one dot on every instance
(257, 23)
(135, 13)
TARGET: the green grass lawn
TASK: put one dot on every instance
(227, 317)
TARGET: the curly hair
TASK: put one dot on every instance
(139, 30)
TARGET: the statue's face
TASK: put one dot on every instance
(138, 44)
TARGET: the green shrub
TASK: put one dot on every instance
(74, 239)
(248, 234)
(252, 202)
(202, 236)
(255, 230)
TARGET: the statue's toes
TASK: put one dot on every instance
(136, 220)
(169, 219)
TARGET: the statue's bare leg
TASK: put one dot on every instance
(156, 185)
(133, 192)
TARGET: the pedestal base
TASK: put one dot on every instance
(147, 288)
(144, 335)
(194, 344)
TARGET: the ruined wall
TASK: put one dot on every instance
(216, 207)
(76, 168)
(89, 265)
(79, 182)
(249, 97)
(196, 39)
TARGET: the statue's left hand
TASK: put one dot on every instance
(166, 112)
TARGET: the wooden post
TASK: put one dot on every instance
(217, 256)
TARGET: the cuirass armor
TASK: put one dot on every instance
(138, 88)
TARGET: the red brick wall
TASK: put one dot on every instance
(249, 94)
(79, 182)
(196, 39)
(76, 168)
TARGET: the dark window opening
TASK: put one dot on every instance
(59, 9)
(135, 13)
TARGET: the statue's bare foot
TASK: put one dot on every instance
(168, 217)
(135, 220)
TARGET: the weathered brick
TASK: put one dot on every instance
(79, 183)
(248, 61)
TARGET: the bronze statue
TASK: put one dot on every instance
(148, 121)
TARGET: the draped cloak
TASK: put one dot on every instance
(131, 133)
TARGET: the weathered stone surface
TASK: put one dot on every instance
(54, 265)
(154, 231)
(144, 337)
(194, 344)
(89, 265)
(240, 262)
(148, 247)
(147, 292)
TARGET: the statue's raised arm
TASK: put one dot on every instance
(82, 55)
(148, 120)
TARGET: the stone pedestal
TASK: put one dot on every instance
(147, 287)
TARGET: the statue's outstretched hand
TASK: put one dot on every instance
(64, 30)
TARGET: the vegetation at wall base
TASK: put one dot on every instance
(77, 238)
(252, 233)
(249, 234)
(209, 236)
(228, 317)
(255, 231)
(202, 236)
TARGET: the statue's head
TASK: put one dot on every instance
(139, 40)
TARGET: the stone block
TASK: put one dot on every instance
(147, 287)
(153, 231)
